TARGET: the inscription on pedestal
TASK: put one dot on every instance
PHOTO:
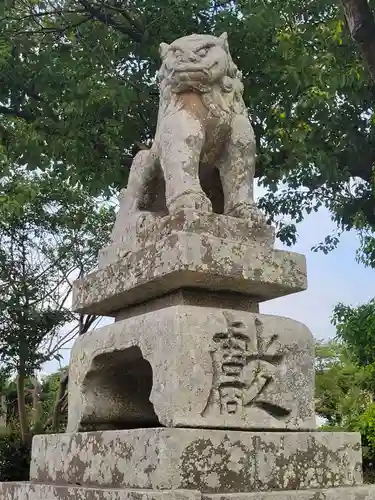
(243, 365)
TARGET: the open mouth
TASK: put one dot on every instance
(190, 69)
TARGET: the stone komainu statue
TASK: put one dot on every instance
(203, 155)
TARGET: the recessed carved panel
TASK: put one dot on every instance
(243, 365)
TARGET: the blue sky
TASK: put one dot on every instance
(332, 278)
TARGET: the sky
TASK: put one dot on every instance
(332, 278)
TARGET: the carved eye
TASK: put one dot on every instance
(178, 52)
(202, 52)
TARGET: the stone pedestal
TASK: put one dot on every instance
(206, 252)
(194, 464)
(192, 393)
(190, 365)
(212, 462)
(12, 491)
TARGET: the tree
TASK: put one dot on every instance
(49, 234)
(42, 395)
(343, 398)
(54, 401)
(340, 396)
(361, 24)
(78, 93)
(345, 376)
(355, 326)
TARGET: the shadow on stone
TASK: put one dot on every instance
(153, 197)
(117, 390)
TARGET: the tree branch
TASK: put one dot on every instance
(55, 29)
(109, 20)
(17, 113)
(362, 169)
(60, 397)
(131, 20)
(361, 25)
(45, 13)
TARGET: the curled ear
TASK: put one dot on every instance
(224, 39)
(163, 49)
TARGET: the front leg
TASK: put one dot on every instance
(237, 169)
(181, 142)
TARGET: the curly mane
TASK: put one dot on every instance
(225, 95)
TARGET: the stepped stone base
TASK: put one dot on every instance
(190, 250)
(131, 235)
(27, 491)
(209, 461)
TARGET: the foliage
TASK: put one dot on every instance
(355, 327)
(14, 458)
(55, 401)
(15, 455)
(366, 426)
(340, 394)
(50, 387)
(78, 95)
(49, 234)
(342, 399)
(345, 377)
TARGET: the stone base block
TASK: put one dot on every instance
(208, 461)
(207, 251)
(193, 366)
(32, 491)
(27, 491)
(131, 235)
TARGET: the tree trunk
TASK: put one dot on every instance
(37, 405)
(3, 410)
(61, 395)
(22, 413)
(361, 24)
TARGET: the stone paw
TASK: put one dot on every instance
(250, 212)
(191, 201)
(259, 219)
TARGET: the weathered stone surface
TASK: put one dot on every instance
(26, 491)
(191, 259)
(149, 230)
(192, 297)
(29, 491)
(203, 153)
(211, 461)
(193, 366)
(357, 493)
